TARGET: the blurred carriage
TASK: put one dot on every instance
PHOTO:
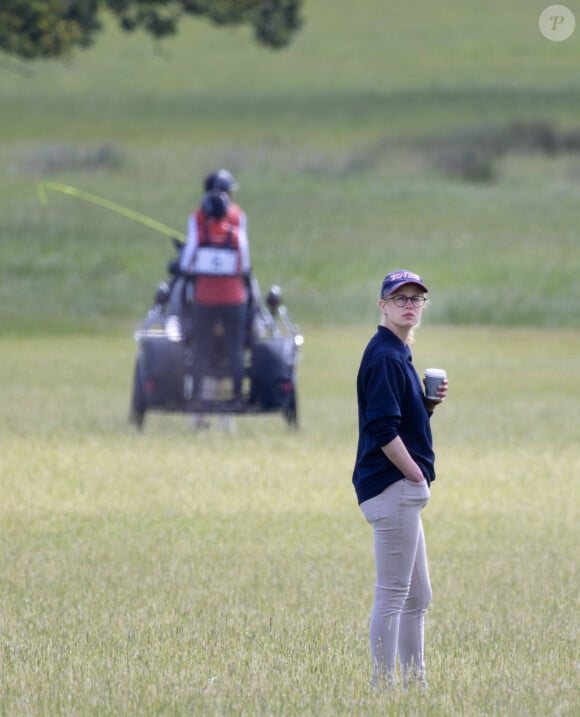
(163, 376)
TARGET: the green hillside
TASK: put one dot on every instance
(442, 138)
(179, 573)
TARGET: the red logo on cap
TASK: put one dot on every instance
(404, 275)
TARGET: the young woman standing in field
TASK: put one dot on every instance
(393, 471)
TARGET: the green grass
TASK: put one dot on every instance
(504, 254)
(338, 144)
(171, 573)
(174, 573)
(394, 71)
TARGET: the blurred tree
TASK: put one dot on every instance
(52, 28)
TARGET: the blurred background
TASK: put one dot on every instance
(440, 138)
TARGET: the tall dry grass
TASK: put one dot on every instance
(180, 573)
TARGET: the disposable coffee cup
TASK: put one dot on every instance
(433, 379)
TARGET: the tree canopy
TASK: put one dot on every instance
(34, 29)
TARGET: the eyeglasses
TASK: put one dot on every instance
(401, 300)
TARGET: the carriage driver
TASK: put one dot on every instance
(217, 256)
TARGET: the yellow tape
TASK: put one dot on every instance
(107, 204)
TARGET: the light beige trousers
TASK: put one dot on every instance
(403, 588)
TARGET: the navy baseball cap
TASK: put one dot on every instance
(224, 181)
(396, 279)
(221, 181)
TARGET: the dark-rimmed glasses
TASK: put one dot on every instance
(401, 300)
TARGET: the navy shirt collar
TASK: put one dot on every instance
(394, 341)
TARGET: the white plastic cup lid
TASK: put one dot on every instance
(436, 372)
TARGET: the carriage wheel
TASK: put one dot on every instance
(138, 399)
(290, 409)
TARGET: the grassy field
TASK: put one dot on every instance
(360, 145)
(171, 573)
(174, 573)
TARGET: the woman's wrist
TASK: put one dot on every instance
(416, 475)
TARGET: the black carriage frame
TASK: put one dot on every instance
(163, 377)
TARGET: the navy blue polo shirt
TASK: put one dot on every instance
(390, 403)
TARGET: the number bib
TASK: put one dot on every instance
(215, 262)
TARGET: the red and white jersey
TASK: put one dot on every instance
(217, 253)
